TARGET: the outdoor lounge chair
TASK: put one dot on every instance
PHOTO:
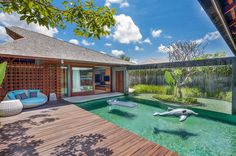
(115, 102)
(31, 100)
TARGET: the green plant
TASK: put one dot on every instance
(173, 79)
(174, 99)
(3, 67)
(126, 58)
(139, 89)
(89, 20)
(228, 96)
(169, 78)
(191, 92)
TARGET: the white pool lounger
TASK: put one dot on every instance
(114, 102)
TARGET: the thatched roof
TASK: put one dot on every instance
(35, 45)
(222, 13)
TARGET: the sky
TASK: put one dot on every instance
(143, 29)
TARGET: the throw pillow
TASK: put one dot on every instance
(33, 94)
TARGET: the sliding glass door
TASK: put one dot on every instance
(82, 81)
(64, 81)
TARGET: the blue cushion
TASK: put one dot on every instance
(35, 100)
(16, 92)
(35, 90)
(11, 96)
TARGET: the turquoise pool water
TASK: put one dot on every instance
(196, 136)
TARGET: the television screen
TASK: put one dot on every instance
(97, 78)
(106, 78)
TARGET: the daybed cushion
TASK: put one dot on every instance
(11, 96)
(32, 102)
(33, 91)
(16, 92)
(21, 96)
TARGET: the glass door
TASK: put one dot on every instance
(82, 81)
(64, 81)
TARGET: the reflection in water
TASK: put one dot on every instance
(122, 113)
(180, 132)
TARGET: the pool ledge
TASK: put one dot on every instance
(80, 99)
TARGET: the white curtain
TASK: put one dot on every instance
(76, 80)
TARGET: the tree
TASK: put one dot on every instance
(211, 56)
(126, 58)
(3, 67)
(182, 51)
(90, 20)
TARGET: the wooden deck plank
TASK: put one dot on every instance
(65, 129)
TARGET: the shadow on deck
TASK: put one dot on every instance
(61, 128)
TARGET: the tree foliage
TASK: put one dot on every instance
(182, 51)
(126, 58)
(90, 20)
(169, 78)
(3, 67)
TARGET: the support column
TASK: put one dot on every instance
(234, 86)
(69, 81)
(126, 78)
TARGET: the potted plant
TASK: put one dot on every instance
(3, 67)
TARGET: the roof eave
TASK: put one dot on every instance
(213, 10)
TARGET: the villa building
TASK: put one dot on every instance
(37, 61)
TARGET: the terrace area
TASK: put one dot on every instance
(61, 128)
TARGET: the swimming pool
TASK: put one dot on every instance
(197, 136)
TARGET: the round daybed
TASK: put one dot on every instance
(29, 101)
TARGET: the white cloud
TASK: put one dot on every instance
(154, 60)
(201, 8)
(125, 30)
(74, 41)
(117, 52)
(14, 20)
(137, 48)
(212, 35)
(102, 52)
(135, 61)
(162, 48)
(122, 3)
(86, 43)
(199, 41)
(156, 33)
(148, 41)
(3, 35)
(108, 44)
(168, 36)
(209, 37)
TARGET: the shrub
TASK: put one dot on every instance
(190, 100)
(188, 93)
(139, 89)
(174, 99)
(191, 92)
(228, 96)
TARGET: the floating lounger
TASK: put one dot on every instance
(121, 103)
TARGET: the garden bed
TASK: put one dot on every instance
(174, 99)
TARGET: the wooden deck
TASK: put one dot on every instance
(65, 129)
